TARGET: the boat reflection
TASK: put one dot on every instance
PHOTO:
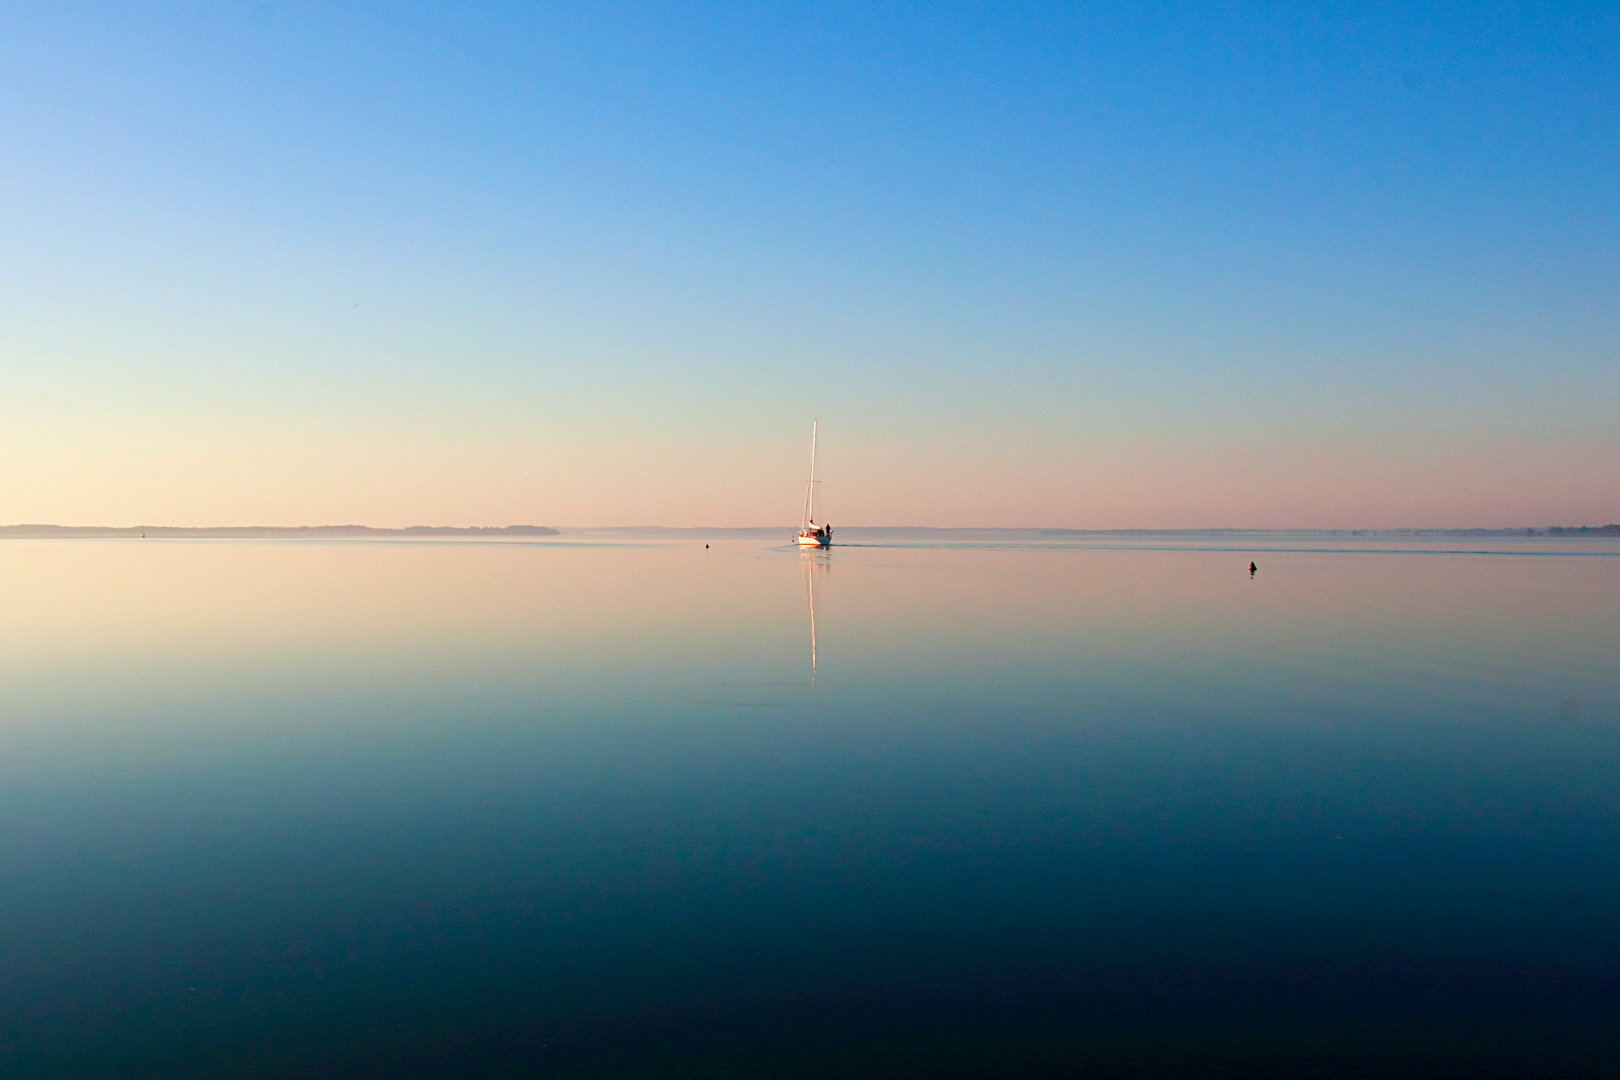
(814, 561)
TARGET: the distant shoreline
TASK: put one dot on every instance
(874, 532)
(260, 532)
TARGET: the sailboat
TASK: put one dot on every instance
(811, 534)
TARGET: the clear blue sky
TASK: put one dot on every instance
(1157, 264)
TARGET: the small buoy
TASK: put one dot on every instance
(705, 547)
(1252, 569)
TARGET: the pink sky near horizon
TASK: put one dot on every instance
(391, 472)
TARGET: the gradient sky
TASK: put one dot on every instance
(1157, 265)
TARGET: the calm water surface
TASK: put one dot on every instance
(430, 809)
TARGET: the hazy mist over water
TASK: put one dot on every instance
(578, 808)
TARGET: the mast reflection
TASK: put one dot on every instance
(814, 562)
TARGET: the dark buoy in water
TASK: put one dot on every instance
(705, 547)
(1252, 569)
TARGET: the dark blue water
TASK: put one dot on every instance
(303, 809)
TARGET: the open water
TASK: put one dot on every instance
(571, 809)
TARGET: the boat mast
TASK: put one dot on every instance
(810, 496)
(810, 485)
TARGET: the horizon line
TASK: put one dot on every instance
(48, 531)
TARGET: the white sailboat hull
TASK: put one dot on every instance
(814, 540)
